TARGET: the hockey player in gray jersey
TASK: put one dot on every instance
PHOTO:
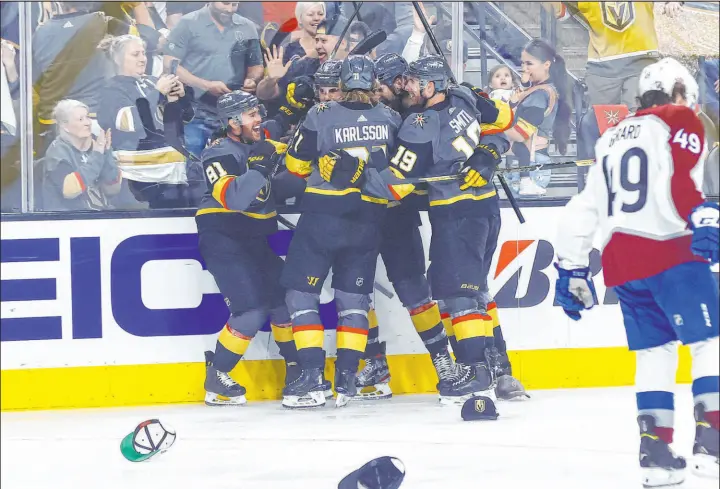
(236, 216)
(337, 148)
(402, 252)
(455, 131)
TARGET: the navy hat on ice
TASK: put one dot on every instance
(479, 408)
(380, 473)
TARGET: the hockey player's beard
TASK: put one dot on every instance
(395, 103)
(411, 100)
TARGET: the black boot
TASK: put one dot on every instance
(372, 381)
(220, 388)
(658, 463)
(705, 449)
(472, 380)
(506, 386)
(306, 391)
(344, 386)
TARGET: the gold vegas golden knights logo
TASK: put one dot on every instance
(618, 15)
(480, 405)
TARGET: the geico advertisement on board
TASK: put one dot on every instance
(133, 291)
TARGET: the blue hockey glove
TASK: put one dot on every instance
(706, 233)
(575, 291)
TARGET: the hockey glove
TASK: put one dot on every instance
(479, 168)
(575, 291)
(264, 157)
(341, 169)
(476, 90)
(300, 93)
(706, 232)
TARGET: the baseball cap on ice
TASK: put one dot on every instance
(479, 408)
(148, 439)
(128, 450)
(380, 473)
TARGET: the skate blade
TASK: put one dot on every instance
(214, 400)
(705, 466)
(314, 399)
(342, 400)
(460, 400)
(659, 477)
(375, 392)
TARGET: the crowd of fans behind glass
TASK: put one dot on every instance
(124, 93)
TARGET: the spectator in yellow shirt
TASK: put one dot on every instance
(623, 41)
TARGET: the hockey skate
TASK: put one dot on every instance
(472, 380)
(220, 388)
(705, 450)
(306, 391)
(507, 387)
(659, 465)
(447, 371)
(372, 381)
(344, 386)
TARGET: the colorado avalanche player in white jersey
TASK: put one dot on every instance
(658, 237)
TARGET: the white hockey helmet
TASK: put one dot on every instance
(663, 75)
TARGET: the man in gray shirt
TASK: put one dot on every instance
(219, 51)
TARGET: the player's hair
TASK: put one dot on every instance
(358, 96)
(114, 47)
(67, 7)
(658, 97)
(543, 51)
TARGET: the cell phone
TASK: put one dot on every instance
(173, 67)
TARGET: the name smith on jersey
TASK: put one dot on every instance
(364, 133)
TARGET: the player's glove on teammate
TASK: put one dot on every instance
(265, 157)
(342, 169)
(706, 231)
(300, 93)
(476, 90)
(575, 291)
(479, 168)
(298, 100)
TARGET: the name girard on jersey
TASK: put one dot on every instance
(628, 132)
(363, 133)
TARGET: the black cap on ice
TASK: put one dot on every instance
(380, 473)
(479, 408)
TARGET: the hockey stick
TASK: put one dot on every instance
(498, 173)
(292, 227)
(342, 34)
(373, 40)
(283, 31)
(436, 45)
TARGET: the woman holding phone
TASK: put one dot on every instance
(146, 115)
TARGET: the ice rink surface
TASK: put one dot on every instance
(563, 439)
